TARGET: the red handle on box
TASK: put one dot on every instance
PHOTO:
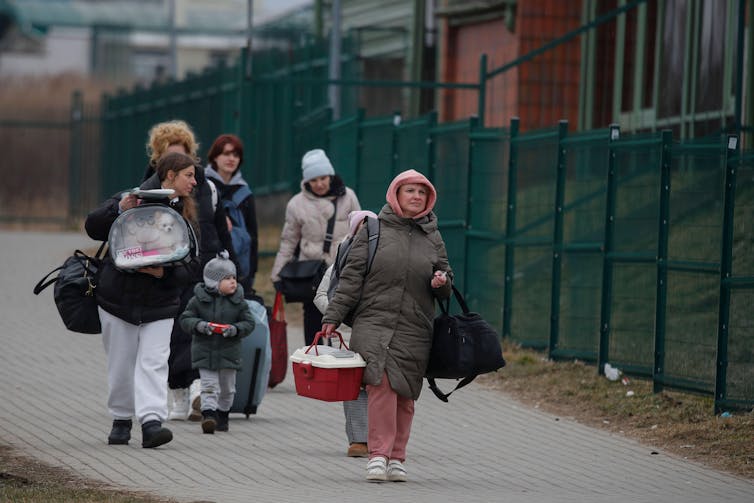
(321, 334)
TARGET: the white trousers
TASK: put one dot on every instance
(218, 388)
(137, 367)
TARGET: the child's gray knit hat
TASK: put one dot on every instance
(218, 269)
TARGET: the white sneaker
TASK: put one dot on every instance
(179, 400)
(396, 472)
(195, 401)
(377, 469)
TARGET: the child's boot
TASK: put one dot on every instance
(153, 434)
(121, 432)
(222, 420)
(209, 421)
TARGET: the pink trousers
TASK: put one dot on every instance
(389, 419)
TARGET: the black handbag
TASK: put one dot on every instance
(299, 279)
(74, 291)
(463, 347)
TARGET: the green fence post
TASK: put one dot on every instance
(726, 270)
(234, 120)
(557, 238)
(394, 144)
(359, 146)
(607, 249)
(74, 156)
(473, 125)
(105, 142)
(661, 297)
(510, 228)
(482, 98)
(430, 152)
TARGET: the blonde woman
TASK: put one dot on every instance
(213, 235)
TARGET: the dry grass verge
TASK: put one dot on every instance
(23, 479)
(681, 423)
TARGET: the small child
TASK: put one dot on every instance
(218, 317)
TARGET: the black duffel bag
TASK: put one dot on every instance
(299, 279)
(74, 291)
(463, 347)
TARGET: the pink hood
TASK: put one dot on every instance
(410, 176)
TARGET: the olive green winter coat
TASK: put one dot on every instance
(392, 328)
(214, 351)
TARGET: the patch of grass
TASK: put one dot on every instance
(681, 423)
(23, 479)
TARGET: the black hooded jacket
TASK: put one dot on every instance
(133, 296)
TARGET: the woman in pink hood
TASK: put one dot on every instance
(393, 306)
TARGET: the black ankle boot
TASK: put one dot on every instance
(121, 432)
(209, 421)
(222, 420)
(154, 434)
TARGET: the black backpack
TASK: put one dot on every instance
(373, 233)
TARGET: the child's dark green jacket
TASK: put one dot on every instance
(214, 351)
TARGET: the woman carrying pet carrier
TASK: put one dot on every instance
(137, 307)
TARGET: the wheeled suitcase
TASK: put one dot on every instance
(253, 377)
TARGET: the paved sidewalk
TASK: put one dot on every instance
(480, 447)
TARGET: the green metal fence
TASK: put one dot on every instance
(578, 237)
(634, 250)
(596, 246)
(265, 112)
(60, 146)
(735, 331)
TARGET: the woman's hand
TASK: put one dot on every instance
(127, 202)
(157, 271)
(328, 328)
(439, 279)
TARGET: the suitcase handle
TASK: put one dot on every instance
(320, 335)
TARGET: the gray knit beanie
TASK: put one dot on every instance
(315, 164)
(218, 269)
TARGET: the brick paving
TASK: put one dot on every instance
(480, 447)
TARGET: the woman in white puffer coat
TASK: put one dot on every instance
(306, 217)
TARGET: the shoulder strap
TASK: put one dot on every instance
(240, 194)
(330, 227)
(213, 189)
(444, 396)
(81, 256)
(373, 232)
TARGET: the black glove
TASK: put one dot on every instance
(230, 331)
(203, 327)
(278, 285)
